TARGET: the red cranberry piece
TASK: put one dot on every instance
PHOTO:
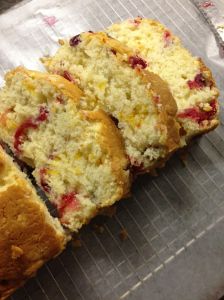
(75, 40)
(21, 131)
(192, 113)
(68, 200)
(198, 83)
(43, 115)
(167, 36)
(45, 186)
(207, 4)
(157, 99)
(136, 21)
(198, 115)
(68, 76)
(137, 62)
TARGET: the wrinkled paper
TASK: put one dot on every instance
(213, 11)
(32, 29)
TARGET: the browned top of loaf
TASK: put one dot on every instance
(26, 238)
(168, 115)
(68, 88)
(168, 111)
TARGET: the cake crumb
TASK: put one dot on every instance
(123, 234)
(183, 156)
(76, 242)
(109, 211)
(61, 42)
(154, 173)
(98, 228)
(205, 107)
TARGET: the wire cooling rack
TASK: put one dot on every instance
(166, 215)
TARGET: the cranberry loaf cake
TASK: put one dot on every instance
(189, 80)
(29, 236)
(114, 79)
(78, 156)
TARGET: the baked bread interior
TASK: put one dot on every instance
(77, 155)
(189, 80)
(113, 78)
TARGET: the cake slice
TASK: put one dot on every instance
(77, 155)
(189, 80)
(29, 236)
(114, 79)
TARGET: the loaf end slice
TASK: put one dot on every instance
(29, 236)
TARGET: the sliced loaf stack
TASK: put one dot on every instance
(123, 107)
(189, 80)
(113, 78)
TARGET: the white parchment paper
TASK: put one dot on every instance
(34, 27)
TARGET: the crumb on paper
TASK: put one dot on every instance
(183, 154)
(76, 242)
(61, 42)
(109, 211)
(221, 26)
(154, 173)
(123, 234)
(98, 228)
(44, 58)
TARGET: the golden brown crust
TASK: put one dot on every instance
(27, 237)
(112, 141)
(168, 111)
(64, 86)
(203, 68)
(68, 88)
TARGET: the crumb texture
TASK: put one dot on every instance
(189, 80)
(78, 156)
(114, 79)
